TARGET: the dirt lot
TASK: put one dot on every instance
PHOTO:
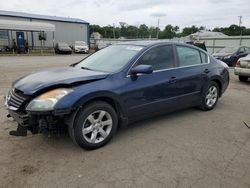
(189, 148)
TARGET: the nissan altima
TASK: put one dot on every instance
(115, 86)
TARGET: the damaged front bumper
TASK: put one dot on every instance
(39, 122)
(21, 118)
(35, 121)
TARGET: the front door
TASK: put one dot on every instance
(20, 39)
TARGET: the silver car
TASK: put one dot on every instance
(242, 68)
(81, 47)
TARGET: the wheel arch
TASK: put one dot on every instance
(113, 102)
(110, 99)
(219, 83)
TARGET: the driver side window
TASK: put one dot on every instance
(159, 57)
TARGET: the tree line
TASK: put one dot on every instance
(170, 31)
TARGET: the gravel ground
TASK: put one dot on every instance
(189, 148)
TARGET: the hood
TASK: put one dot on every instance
(64, 48)
(221, 54)
(32, 83)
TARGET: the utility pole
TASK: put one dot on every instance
(158, 25)
(137, 32)
(114, 30)
(240, 22)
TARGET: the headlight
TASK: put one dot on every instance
(48, 100)
(227, 57)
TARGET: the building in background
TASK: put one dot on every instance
(37, 30)
(205, 33)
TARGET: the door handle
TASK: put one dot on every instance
(206, 71)
(172, 80)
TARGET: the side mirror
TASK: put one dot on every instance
(141, 69)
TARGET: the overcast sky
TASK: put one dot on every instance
(209, 13)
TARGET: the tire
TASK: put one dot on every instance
(95, 125)
(243, 78)
(210, 96)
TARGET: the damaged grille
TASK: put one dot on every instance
(14, 99)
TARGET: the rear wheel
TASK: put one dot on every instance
(243, 78)
(210, 97)
(95, 125)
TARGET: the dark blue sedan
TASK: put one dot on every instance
(117, 85)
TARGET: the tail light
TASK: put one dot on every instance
(238, 63)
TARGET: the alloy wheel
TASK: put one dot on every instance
(211, 96)
(97, 126)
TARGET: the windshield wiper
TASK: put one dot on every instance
(86, 68)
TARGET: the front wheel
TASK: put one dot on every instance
(210, 97)
(95, 125)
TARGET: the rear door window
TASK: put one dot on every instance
(188, 56)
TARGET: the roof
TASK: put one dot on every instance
(26, 25)
(41, 17)
(147, 42)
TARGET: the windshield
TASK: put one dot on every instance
(110, 59)
(228, 50)
(80, 43)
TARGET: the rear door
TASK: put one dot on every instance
(153, 93)
(192, 75)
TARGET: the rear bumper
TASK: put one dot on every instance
(242, 71)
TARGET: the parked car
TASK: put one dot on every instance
(81, 47)
(117, 85)
(242, 68)
(230, 55)
(63, 48)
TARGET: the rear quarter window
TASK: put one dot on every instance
(204, 58)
